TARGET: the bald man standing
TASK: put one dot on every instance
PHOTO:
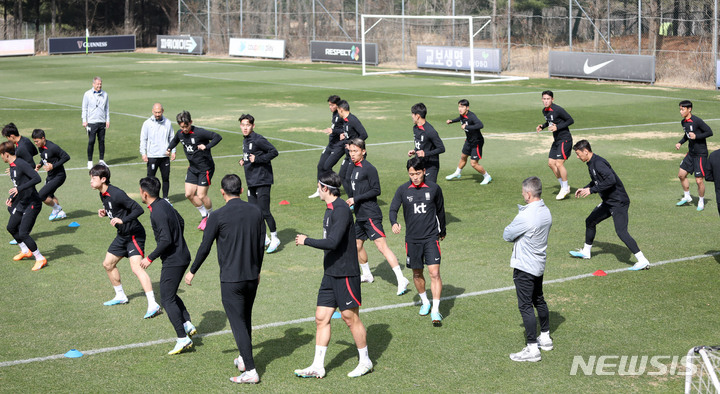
(156, 134)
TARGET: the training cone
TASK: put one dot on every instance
(74, 224)
(284, 202)
(73, 353)
(336, 315)
(599, 273)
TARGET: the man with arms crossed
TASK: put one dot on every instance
(155, 136)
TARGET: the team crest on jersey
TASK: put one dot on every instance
(410, 198)
(250, 146)
(427, 196)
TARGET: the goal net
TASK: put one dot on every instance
(702, 366)
(443, 45)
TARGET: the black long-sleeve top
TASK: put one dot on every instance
(168, 227)
(337, 127)
(24, 178)
(605, 182)
(698, 146)
(557, 115)
(117, 204)
(473, 125)
(365, 189)
(423, 209)
(338, 241)
(55, 155)
(200, 160)
(428, 140)
(26, 150)
(259, 173)
(353, 128)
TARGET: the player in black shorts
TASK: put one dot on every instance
(123, 212)
(428, 144)
(695, 162)
(23, 204)
(474, 142)
(557, 120)
(424, 212)
(340, 286)
(52, 159)
(352, 128)
(363, 194)
(335, 148)
(197, 143)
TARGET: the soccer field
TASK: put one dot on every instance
(657, 313)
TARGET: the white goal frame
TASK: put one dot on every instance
(701, 367)
(484, 20)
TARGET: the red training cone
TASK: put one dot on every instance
(284, 202)
(599, 273)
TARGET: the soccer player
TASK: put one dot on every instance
(96, 119)
(615, 202)
(352, 128)
(23, 204)
(129, 242)
(428, 144)
(335, 147)
(340, 286)
(695, 161)
(24, 148)
(168, 227)
(197, 143)
(257, 154)
(52, 158)
(529, 234)
(239, 230)
(474, 142)
(557, 120)
(424, 212)
(714, 168)
(155, 136)
(363, 194)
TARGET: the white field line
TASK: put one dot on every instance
(364, 310)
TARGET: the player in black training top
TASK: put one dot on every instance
(197, 143)
(52, 159)
(363, 194)
(474, 142)
(352, 128)
(712, 169)
(239, 231)
(129, 242)
(257, 156)
(428, 144)
(557, 120)
(335, 148)
(424, 212)
(24, 148)
(340, 286)
(695, 161)
(615, 202)
(168, 227)
(23, 204)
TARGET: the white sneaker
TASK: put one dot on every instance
(267, 241)
(239, 363)
(60, 215)
(487, 180)
(274, 243)
(527, 354)
(90, 165)
(701, 206)
(369, 278)
(640, 265)
(311, 372)
(563, 193)
(246, 377)
(684, 201)
(314, 195)
(189, 329)
(360, 370)
(402, 286)
(545, 342)
(102, 162)
(579, 254)
(180, 345)
(454, 175)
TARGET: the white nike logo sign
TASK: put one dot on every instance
(589, 70)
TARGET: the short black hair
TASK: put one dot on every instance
(333, 181)
(686, 104)
(334, 99)
(548, 92)
(417, 163)
(184, 117)
(419, 109)
(464, 103)
(582, 145)
(101, 171)
(7, 147)
(151, 186)
(344, 105)
(10, 129)
(249, 117)
(359, 142)
(232, 184)
(38, 133)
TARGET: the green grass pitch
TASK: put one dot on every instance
(660, 312)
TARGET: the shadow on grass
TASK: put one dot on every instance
(176, 198)
(57, 231)
(277, 348)
(378, 339)
(450, 218)
(61, 251)
(620, 251)
(556, 319)
(212, 321)
(119, 160)
(287, 237)
(715, 254)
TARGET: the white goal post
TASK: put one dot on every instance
(470, 27)
(701, 367)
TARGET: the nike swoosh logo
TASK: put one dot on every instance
(591, 69)
(348, 303)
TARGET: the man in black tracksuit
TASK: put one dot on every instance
(615, 202)
(168, 227)
(23, 204)
(557, 120)
(52, 158)
(695, 162)
(352, 128)
(340, 286)
(257, 156)
(239, 230)
(428, 144)
(197, 143)
(335, 148)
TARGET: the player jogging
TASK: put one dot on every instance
(24, 148)
(363, 194)
(352, 128)
(424, 212)
(428, 144)
(695, 161)
(197, 143)
(335, 147)
(52, 159)
(474, 142)
(129, 242)
(557, 120)
(340, 286)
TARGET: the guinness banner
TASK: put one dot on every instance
(94, 44)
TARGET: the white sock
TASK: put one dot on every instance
(38, 255)
(458, 170)
(364, 357)
(564, 184)
(203, 211)
(560, 181)
(319, 361)
(57, 208)
(640, 256)
(701, 200)
(151, 299)
(423, 298)
(23, 247)
(436, 305)
(273, 235)
(366, 269)
(398, 273)
(251, 372)
(119, 292)
(533, 346)
(687, 195)
(545, 335)
(486, 175)
(586, 249)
